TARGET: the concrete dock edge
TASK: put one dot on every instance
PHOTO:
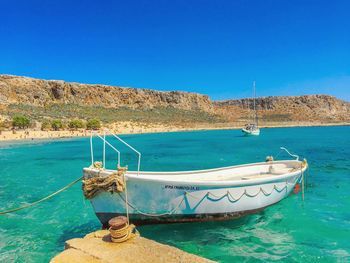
(97, 247)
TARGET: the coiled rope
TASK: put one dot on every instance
(115, 182)
(40, 200)
(123, 234)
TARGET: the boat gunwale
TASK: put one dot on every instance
(133, 175)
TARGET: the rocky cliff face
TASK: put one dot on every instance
(41, 96)
(37, 92)
(288, 108)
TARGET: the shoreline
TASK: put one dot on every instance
(31, 134)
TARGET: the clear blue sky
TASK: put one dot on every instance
(212, 47)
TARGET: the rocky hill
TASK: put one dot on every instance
(58, 99)
(37, 92)
(308, 108)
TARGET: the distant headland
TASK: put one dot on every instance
(55, 108)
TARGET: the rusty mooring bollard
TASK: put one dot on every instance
(120, 229)
(118, 222)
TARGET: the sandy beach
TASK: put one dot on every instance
(139, 128)
(118, 128)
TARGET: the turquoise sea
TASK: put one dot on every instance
(316, 230)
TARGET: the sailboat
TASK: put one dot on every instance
(252, 128)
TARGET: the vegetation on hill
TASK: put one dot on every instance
(76, 124)
(74, 104)
(110, 115)
(93, 124)
(20, 122)
(57, 125)
(46, 125)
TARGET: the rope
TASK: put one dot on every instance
(303, 164)
(170, 212)
(278, 154)
(42, 199)
(234, 199)
(302, 183)
(123, 234)
(115, 182)
(126, 198)
(307, 177)
(229, 196)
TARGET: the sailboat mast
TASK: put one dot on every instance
(254, 94)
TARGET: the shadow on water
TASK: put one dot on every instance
(202, 231)
(171, 233)
(240, 136)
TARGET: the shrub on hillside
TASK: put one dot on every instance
(46, 125)
(2, 126)
(76, 124)
(93, 124)
(20, 122)
(56, 125)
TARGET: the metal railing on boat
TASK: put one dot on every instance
(107, 132)
(290, 154)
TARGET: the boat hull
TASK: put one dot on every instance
(145, 220)
(251, 133)
(167, 201)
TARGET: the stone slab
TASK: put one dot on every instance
(97, 247)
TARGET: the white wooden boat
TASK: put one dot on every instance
(187, 196)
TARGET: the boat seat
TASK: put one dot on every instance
(279, 169)
(276, 169)
(255, 176)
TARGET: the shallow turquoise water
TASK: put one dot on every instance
(290, 231)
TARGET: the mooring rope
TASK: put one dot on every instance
(126, 199)
(114, 182)
(302, 183)
(170, 212)
(40, 200)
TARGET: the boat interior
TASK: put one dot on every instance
(232, 173)
(240, 172)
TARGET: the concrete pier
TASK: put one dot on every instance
(97, 247)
